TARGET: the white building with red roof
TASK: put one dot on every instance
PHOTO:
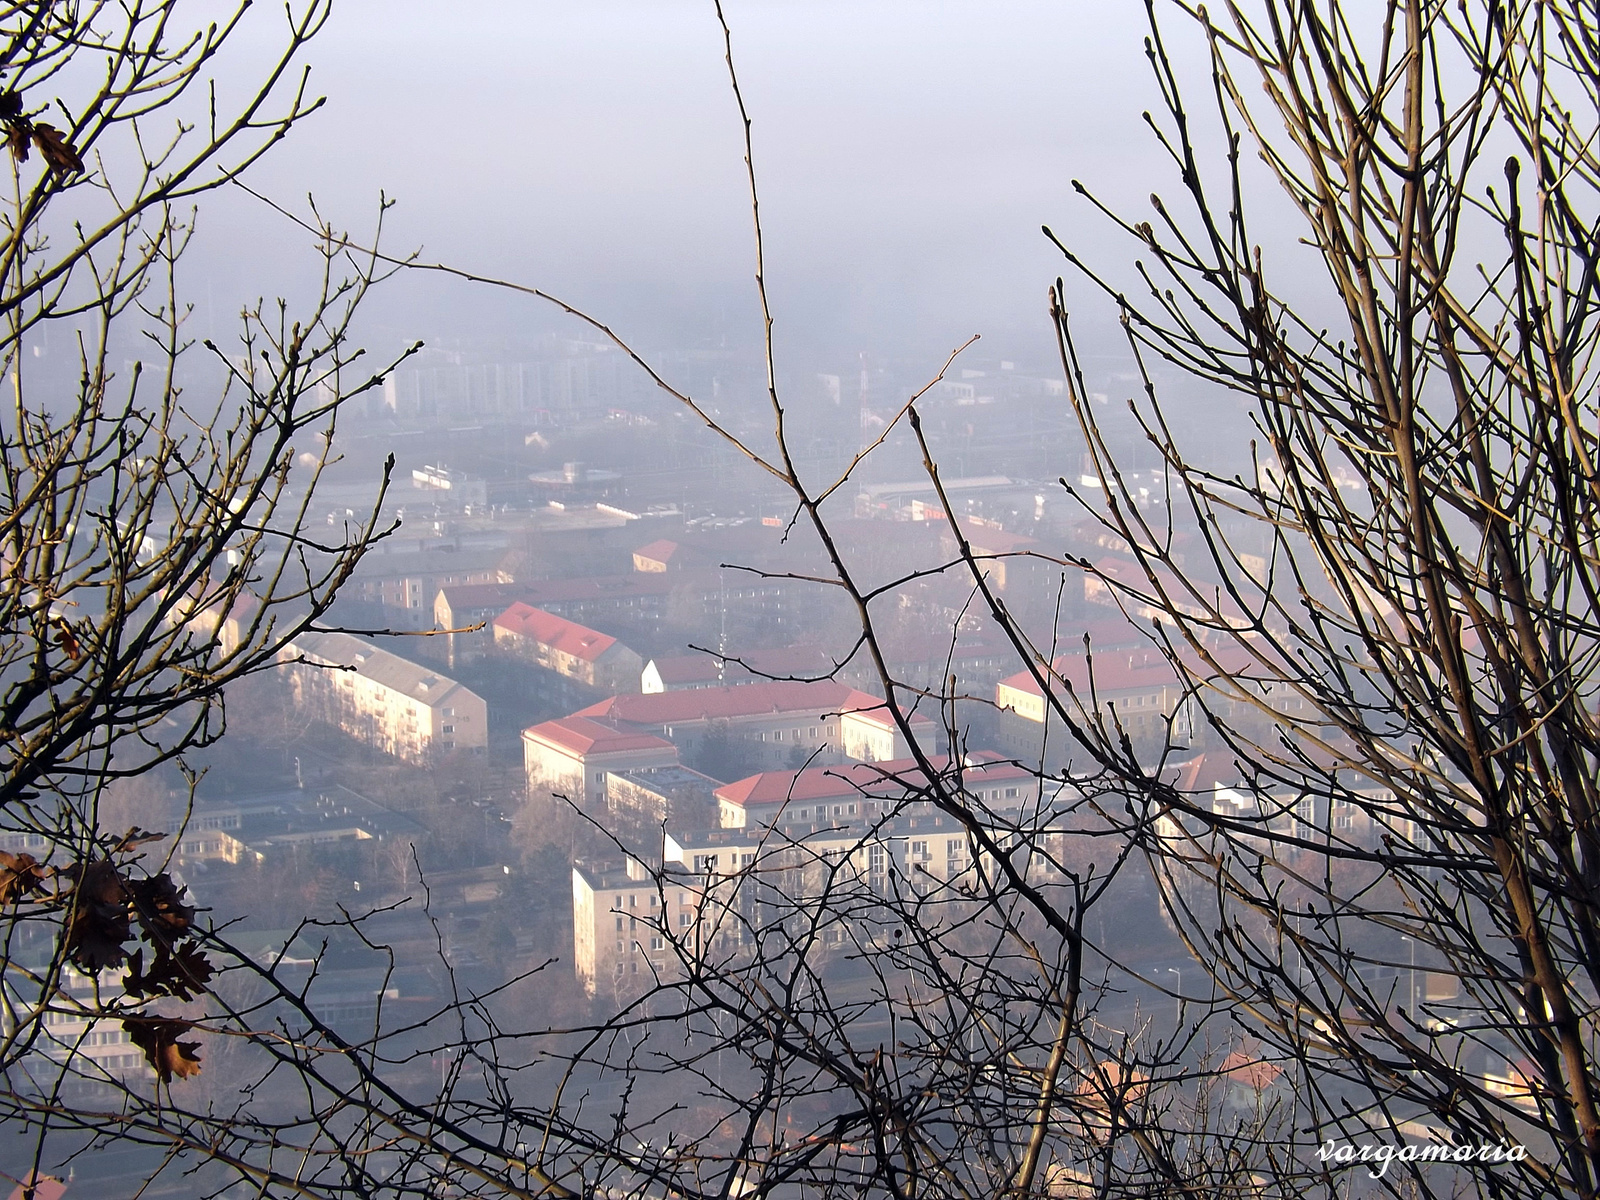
(853, 793)
(775, 718)
(571, 650)
(571, 756)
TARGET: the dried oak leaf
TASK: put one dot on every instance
(18, 138)
(158, 1038)
(20, 874)
(159, 904)
(10, 104)
(66, 639)
(98, 924)
(57, 151)
(183, 973)
(136, 837)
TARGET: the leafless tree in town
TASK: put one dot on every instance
(1383, 630)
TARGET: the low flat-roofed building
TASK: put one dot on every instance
(390, 703)
(571, 756)
(674, 794)
(257, 828)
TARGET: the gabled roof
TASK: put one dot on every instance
(750, 700)
(890, 779)
(798, 697)
(986, 539)
(1252, 1072)
(401, 675)
(581, 736)
(558, 633)
(661, 550)
(686, 668)
(464, 597)
(780, 662)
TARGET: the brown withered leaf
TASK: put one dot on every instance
(18, 139)
(57, 151)
(160, 908)
(20, 874)
(158, 1038)
(10, 104)
(98, 924)
(183, 973)
(136, 837)
(66, 639)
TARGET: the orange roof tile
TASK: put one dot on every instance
(558, 633)
(578, 735)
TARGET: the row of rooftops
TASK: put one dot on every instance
(622, 722)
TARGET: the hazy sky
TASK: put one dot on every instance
(908, 153)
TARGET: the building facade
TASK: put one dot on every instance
(385, 701)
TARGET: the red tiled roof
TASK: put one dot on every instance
(578, 735)
(986, 539)
(42, 1187)
(753, 699)
(1252, 1072)
(558, 633)
(872, 779)
(686, 668)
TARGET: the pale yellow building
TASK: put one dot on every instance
(381, 699)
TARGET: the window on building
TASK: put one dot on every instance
(685, 920)
(619, 924)
(447, 729)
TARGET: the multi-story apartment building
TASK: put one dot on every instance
(85, 1050)
(627, 924)
(406, 582)
(723, 893)
(457, 608)
(857, 793)
(574, 652)
(388, 702)
(571, 756)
